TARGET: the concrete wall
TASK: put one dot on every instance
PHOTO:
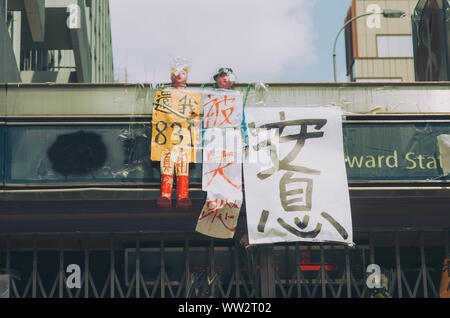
(369, 64)
(49, 45)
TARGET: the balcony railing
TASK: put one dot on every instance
(145, 265)
(47, 60)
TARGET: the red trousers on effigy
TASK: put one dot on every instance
(175, 160)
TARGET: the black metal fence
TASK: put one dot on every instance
(179, 265)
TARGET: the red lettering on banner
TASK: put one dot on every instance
(214, 209)
(220, 169)
(217, 108)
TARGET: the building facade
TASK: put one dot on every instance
(78, 191)
(377, 48)
(105, 220)
(60, 41)
(431, 40)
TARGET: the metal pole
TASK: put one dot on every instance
(138, 268)
(348, 273)
(298, 263)
(372, 248)
(34, 285)
(86, 267)
(398, 265)
(8, 263)
(112, 265)
(61, 268)
(162, 266)
(424, 266)
(212, 270)
(322, 271)
(236, 269)
(267, 272)
(271, 271)
(334, 66)
(186, 268)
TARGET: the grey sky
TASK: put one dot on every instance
(262, 40)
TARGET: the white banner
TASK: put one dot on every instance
(222, 163)
(295, 178)
(219, 215)
(222, 159)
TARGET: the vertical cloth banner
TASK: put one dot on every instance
(295, 178)
(222, 163)
(171, 131)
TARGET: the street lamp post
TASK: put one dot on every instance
(387, 13)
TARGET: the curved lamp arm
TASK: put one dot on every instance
(335, 40)
(387, 13)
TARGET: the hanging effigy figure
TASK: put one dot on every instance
(174, 136)
(222, 157)
(224, 78)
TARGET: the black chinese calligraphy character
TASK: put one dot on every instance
(300, 138)
(262, 221)
(310, 234)
(302, 224)
(164, 99)
(342, 232)
(187, 102)
(305, 194)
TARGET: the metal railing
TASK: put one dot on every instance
(185, 265)
(47, 60)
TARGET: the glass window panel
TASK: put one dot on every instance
(81, 153)
(394, 46)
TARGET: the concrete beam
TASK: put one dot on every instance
(81, 47)
(79, 37)
(35, 12)
(9, 71)
(15, 5)
(136, 99)
(48, 77)
(59, 3)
